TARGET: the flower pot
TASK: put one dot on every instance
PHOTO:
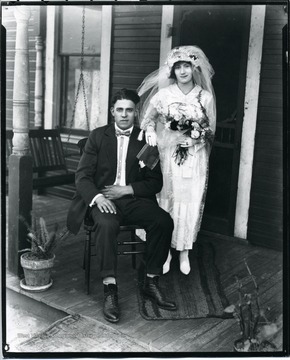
(36, 271)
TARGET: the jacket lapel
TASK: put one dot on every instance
(111, 147)
(133, 149)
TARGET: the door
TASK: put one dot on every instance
(222, 32)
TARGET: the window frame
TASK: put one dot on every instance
(54, 89)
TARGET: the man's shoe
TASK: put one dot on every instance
(111, 307)
(152, 291)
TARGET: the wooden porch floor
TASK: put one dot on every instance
(170, 336)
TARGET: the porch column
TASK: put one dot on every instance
(20, 162)
(250, 120)
(38, 96)
(105, 63)
(166, 32)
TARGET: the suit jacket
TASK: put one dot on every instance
(97, 168)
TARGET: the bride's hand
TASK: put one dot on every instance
(151, 137)
(187, 141)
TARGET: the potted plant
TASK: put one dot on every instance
(38, 261)
(256, 329)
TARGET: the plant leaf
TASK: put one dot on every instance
(44, 237)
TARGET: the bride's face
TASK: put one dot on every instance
(183, 72)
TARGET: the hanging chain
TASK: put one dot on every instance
(81, 82)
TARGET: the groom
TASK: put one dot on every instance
(111, 182)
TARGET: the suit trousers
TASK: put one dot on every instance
(146, 213)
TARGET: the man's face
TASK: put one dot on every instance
(124, 112)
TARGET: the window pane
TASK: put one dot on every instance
(91, 87)
(72, 30)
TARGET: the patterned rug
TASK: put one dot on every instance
(78, 334)
(197, 295)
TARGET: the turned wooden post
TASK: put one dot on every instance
(20, 162)
(38, 96)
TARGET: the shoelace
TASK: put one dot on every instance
(113, 298)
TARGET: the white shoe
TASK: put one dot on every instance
(184, 262)
(166, 266)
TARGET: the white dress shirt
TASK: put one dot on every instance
(122, 149)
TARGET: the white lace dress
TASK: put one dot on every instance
(184, 189)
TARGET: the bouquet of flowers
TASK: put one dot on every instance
(191, 121)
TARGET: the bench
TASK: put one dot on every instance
(48, 159)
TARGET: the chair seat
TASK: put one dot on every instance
(89, 226)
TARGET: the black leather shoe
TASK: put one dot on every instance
(152, 291)
(111, 307)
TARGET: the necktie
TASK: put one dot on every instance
(124, 133)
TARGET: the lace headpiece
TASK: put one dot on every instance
(182, 53)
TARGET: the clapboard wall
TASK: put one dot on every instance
(265, 226)
(9, 22)
(135, 45)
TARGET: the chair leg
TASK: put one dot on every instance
(133, 248)
(87, 260)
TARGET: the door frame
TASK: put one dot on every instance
(228, 224)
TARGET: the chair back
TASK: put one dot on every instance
(81, 144)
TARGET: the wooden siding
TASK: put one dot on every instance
(9, 22)
(135, 45)
(265, 225)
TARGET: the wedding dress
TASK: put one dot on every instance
(184, 185)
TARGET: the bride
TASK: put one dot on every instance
(179, 116)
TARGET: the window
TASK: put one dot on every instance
(70, 51)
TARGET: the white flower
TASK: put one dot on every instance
(194, 134)
(198, 113)
(196, 125)
(197, 62)
(176, 116)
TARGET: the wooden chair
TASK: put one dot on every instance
(132, 242)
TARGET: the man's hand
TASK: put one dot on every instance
(105, 205)
(114, 192)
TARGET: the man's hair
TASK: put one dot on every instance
(125, 94)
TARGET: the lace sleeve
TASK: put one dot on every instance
(150, 118)
(151, 112)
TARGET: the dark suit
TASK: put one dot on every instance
(96, 169)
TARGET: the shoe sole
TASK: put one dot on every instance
(111, 320)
